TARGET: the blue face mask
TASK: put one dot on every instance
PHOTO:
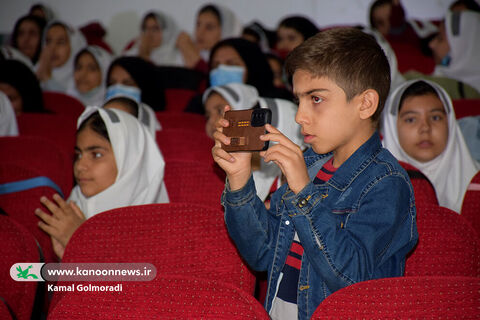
(120, 90)
(445, 61)
(224, 74)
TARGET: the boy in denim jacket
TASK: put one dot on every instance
(347, 212)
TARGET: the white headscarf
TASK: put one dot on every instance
(11, 53)
(243, 96)
(62, 76)
(96, 96)
(167, 53)
(396, 77)
(452, 170)
(139, 162)
(8, 120)
(463, 34)
(231, 26)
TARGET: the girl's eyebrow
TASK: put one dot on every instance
(90, 148)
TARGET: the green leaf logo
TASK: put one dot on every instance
(23, 274)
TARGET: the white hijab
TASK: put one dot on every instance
(243, 96)
(8, 120)
(463, 34)
(167, 53)
(11, 53)
(96, 96)
(231, 26)
(139, 162)
(396, 77)
(452, 170)
(62, 76)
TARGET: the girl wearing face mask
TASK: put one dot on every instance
(90, 74)
(420, 128)
(157, 41)
(55, 66)
(117, 164)
(134, 74)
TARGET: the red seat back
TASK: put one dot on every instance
(447, 245)
(422, 187)
(59, 129)
(166, 297)
(61, 103)
(18, 246)
(466, 107)
(181, 120)
(177, 238)
(404, 298)
(42, 156)
(185, 144)
(471, 203)
(21, 205)
(194, 182)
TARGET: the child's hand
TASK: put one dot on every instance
(144, 47)
(44, 70)
(65, 219)
(288, 156)
(236, 165)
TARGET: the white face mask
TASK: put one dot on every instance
(224, 74)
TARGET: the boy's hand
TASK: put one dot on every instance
(62, 223)
(236, 165)
(288, 156)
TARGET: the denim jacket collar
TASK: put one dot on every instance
(351, 168)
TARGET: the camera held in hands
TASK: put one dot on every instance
(245, 128)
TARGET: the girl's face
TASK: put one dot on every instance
(439, 44)
(14, 97)
(422, 127)
(152, 32)
(118, 75)
(214, 106)
(87, 73)
(381, 18)
(277, 70)
(288, 39)
(59, 42)
(230, 57)
(28, 38)
(94, 168)
(208, 31)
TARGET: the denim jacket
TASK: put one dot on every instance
(357, 226)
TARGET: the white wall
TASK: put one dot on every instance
(121, 17)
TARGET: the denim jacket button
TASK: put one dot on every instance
(302, 202)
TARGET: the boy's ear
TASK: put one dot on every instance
(368, 103)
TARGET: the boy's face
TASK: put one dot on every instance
(328, 121)
(422, 127)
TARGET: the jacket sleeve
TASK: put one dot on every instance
(250, 225)
(370, 241)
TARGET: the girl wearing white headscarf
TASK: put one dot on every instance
(137, 175)
(462, 29)
(241, 96)
(157, 43)
(8, 120)
(96, 95)
(56, 63)
(451, 171)
(139, 162)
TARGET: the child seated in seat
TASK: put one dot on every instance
(117, 164)
(419, 127)
(347, 212)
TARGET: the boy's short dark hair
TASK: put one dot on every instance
(349, 57)
(419, 88)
